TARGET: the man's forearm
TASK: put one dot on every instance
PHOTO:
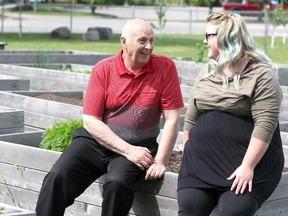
(104, 135)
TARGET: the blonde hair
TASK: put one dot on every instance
(234, 43)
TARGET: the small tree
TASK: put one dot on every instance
(161, 13)
(278, 17)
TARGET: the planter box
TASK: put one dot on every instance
(10, 83)
(54, 57)
(24, 167)
(38, 112)
(11, 120)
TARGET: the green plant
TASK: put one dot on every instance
(279, 17)
(161, 12)
(21, 168)
(140, 2)
(200, 53)
(68, 69)
(43, 60)
(59, 136)
(9, 193)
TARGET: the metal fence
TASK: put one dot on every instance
(179, 20)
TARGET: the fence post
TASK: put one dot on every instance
(190, 22)
(266, 28)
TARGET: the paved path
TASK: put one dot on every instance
(183, 20)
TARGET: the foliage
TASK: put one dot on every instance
(9, 193)
(141, 2)
(200, 53)
(209, 3)
(67, 69)
(43, 60)
(160, 11)
(59, 136)
(279, 17)
(101, 2)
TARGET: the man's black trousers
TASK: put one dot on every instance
(79, 166)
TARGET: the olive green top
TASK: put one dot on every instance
(259, 95)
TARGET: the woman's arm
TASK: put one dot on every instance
(265, 108)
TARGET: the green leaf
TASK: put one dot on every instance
(59, 136)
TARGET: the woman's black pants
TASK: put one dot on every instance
(79, 166)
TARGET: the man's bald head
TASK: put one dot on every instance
(135, 27)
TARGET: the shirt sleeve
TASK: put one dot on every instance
(94, 100)
(265, 104)
(171, 95)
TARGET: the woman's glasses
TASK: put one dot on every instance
(209, 35)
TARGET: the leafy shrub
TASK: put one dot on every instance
(201, 53)
(101, 2)
(141, 2)
(59, 136)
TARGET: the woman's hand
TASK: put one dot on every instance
(243, 178)
(155, 171)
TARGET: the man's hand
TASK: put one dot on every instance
(155, 171)
(141, 156)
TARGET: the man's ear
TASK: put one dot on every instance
(123, 41)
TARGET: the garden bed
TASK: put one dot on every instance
(175, 158)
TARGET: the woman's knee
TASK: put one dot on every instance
(231, 204)
(195, 202)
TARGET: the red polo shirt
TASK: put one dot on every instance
(131, 104)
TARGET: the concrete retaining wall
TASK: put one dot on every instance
(24, 167)
(11, 120)
(50, 57)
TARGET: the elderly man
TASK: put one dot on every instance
(124, 100)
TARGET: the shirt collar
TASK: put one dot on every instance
(148, 68)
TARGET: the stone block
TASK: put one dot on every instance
(61, 32)
(105, 33)
(91, 35)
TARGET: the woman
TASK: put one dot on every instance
(233, 156)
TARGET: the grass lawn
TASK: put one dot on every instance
(174, 46)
